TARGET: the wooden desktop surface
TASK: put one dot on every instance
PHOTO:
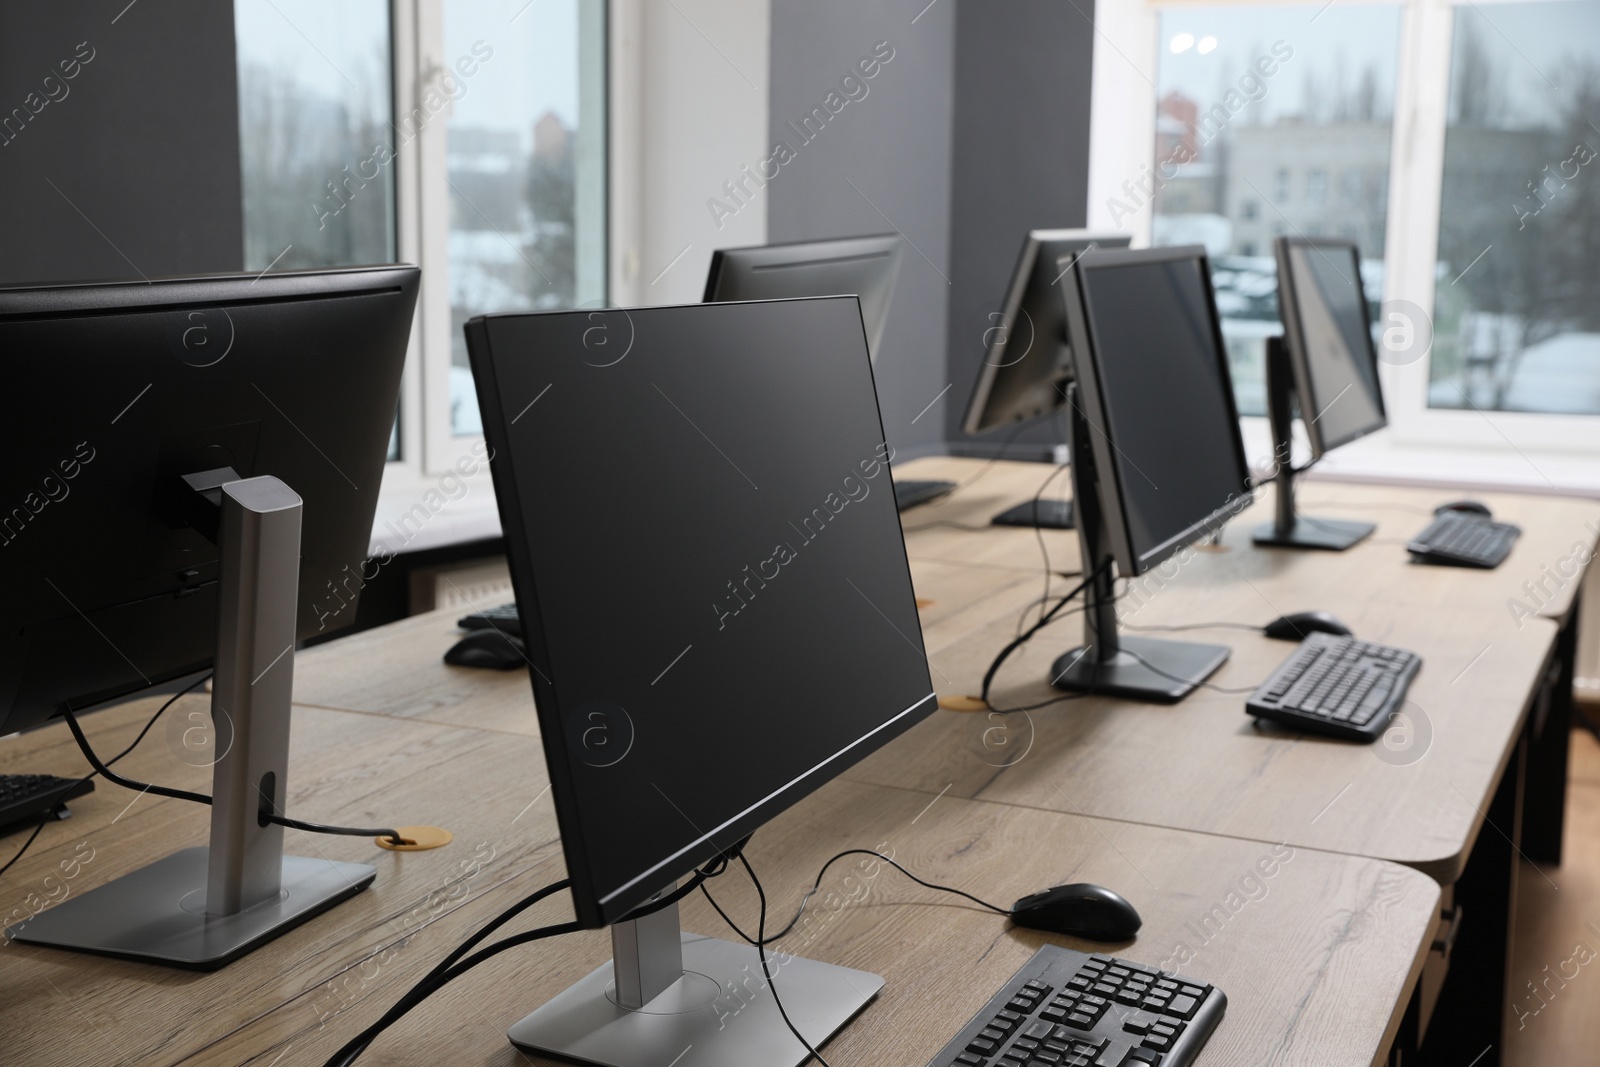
(1557, 534)
(1317, 969)
(1317, 959)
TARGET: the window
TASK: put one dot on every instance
(1517, 300)
(1316, 186)
(524, 142)
(314, 102)
(467, 136)
(1268, 107)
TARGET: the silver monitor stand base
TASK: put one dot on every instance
(203, 907)
(157, 913)
(717, 1012)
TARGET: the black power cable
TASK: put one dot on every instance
(1044, 620)
(49, 815)
(454, 965)
(105, 771)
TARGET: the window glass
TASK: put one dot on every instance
(1257, 108)
(1517, 291)
(315, 139)
(314, 109)
(524, 145)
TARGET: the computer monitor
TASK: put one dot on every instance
(700, 673)
(864, 266)
(1326, 363)
(1157, 458)
(191, 469)
(1028, 362)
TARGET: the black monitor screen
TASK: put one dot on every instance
(1166, 397)
(1337, 348)
(709, 565)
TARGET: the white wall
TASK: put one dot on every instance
(689, 85)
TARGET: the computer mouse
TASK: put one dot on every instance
(487, 648)
(1465, 507)
(1295, 627)
(1092, 912)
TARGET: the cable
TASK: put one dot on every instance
(436, 978)
(453, 965)
(1176, 678)
(200, 798)
(45, 821)
(988, 677)
(761, 951)
(816, 886)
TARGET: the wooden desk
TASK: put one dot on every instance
(1306, 983)
(1554, 529)
(1203, 764)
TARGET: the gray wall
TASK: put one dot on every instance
(143, 141)
(976, 132)
(894, 146)
(1022, 76)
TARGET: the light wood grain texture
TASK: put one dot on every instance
(1314, 968)
(64, 1008)
(1557, 532)
(1203, 764)
(399, 670)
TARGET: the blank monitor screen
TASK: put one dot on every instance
(709, 566)
(864, 266)
(1330, 341)
(1165, 394)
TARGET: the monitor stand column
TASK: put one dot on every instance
(202, 907)
(672, 998)
(1286, 530)
(1107, 663)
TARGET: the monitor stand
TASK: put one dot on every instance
(671, 999)
(1043, 514)
(1286, 530)
(1138, 668)
(203, 907)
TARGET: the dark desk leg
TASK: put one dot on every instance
(1468, 1023)
(1549, 736)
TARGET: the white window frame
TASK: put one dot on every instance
(1122, 124)
(429, 446)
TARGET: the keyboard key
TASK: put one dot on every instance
(1080, 1020)
(1182, 1006)
(1139, 1022)
(982, 1046)
(1157, 1042)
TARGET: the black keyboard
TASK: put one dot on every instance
(503, 618)
(27, 798)
(1464, 540)
(1337, 686)
(910, 494)
(1070, 1009)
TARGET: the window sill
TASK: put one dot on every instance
(1380, 459)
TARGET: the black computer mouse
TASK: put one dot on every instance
(1295, 627)
(1079, 910)
(1465, 507)
(487, 648)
